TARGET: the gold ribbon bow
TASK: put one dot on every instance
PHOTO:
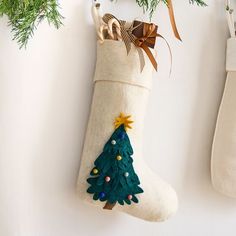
(149, 37)
(148, 40)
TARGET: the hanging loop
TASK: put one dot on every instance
(104, 28)
(230, 18)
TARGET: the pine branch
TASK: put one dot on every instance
(198, 2)
(25, 15)
(151, 5)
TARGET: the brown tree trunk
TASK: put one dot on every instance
(109, 206)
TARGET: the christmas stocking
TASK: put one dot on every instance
(223, 163)
(113, 174)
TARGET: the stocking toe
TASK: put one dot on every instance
(158, 202)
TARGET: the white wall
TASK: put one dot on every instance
(45, 93)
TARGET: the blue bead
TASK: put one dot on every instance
(121, 135)
(102, 195)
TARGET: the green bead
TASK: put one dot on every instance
(95, 171)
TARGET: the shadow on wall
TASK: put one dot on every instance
(67, 106)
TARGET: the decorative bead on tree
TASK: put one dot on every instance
(113, 177)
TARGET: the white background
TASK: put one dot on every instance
(45, 94)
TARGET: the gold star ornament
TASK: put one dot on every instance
(123, 120)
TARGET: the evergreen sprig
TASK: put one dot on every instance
(151, 5)
(25, 15)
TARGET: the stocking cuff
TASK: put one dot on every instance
(113, 64)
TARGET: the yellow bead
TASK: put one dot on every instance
(119, 158)
(95, 171)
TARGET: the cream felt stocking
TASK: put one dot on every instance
(120, 87)
(223, 162)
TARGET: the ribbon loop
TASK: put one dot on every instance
(172, 19)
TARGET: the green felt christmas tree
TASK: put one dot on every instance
(113, 178)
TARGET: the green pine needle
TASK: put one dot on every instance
(25, 15)
(151, 5)
(198, 2)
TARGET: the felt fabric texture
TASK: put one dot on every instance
(120, 87)
(223, 163)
